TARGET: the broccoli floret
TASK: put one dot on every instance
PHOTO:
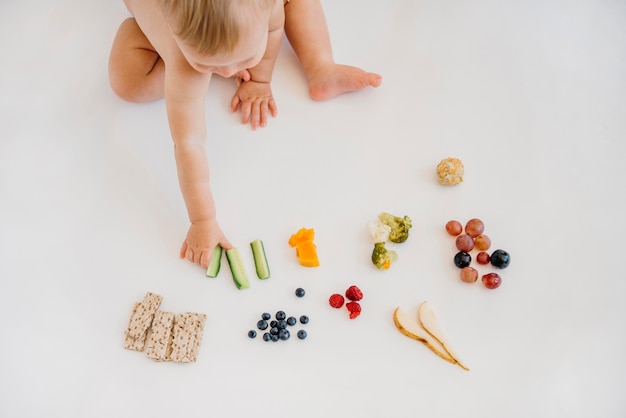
(382, 257)
(399, 226)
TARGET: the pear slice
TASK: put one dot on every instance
(429, 321)
(411, 328)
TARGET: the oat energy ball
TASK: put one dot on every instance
(450, 171)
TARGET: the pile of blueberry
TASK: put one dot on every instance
(277, 328)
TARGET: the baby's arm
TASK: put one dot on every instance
(184, 98)
(262, 72)
(255, 96)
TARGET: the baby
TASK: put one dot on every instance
(170, 49)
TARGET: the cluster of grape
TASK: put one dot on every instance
(474, 238)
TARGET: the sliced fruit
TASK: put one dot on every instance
(216, 262)
(429, 321)
(412, 329)
(260, 259)
(303, 234)
(306, 252)
(240, 277)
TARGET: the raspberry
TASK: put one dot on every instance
(354, 308)
(354, 293)
(336, 300)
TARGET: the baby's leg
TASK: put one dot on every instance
(305, 27)
(136, 72)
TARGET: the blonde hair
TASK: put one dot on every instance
(212, 26)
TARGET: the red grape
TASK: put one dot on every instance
(492, 280)
(454, 228)
(482, 242)
(464, 243)
(474, 227)
(483, 257)
(469, 274)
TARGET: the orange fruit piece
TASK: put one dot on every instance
(303, 234)
(307, 254)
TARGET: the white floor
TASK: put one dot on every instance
(530, 95)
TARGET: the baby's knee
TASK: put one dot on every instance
(120, 83)
(123, 89)
(132, 90)
(135, 69)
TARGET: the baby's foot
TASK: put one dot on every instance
(335, 79)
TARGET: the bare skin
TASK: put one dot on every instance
(145, 46)
(307, 32)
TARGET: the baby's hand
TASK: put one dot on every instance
(202, 238)
(256, 102)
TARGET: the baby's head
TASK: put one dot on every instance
(222, 29)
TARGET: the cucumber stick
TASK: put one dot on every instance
(237, 269)
(260, 260)
(216, 261)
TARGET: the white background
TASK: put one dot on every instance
(530, 95)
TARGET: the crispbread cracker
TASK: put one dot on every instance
(140, 321)
(132, 343)
(160, 336)
(165, 336)
(186, 337)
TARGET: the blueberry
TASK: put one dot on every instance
(282, 324)
(262, 324)
(280, 315)
(292, 320)
(462, 259)
(266, 316)
(302, 334)
(275, 337)
(274, 324)
(300, 292)
(267, 336)
(283, 334)
(500, 259)
(252, 333)
(274, 331)
(304, 319)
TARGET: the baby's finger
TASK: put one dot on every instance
(243, 75)
(225, 244)
(234, 103)
(256, 114)
(246, 108)
(273, 107)
(189, 254)
(205, 258)
(264, 113)
(183, 250)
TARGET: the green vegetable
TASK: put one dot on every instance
(260, 259)
(216, 262)
(382, 257)
(399, 226)
(237, 269)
